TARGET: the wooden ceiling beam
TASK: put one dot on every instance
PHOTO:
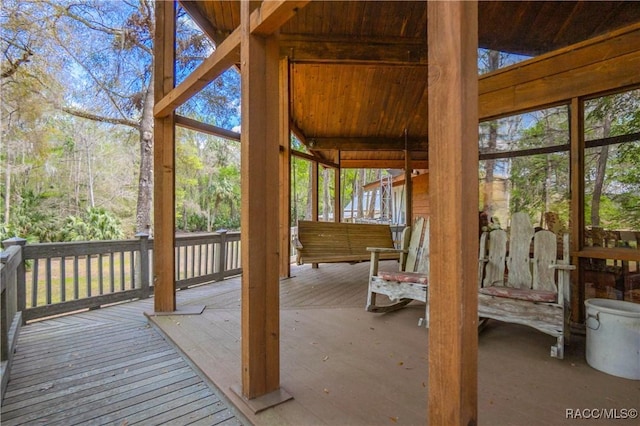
(382, 164)
(192, 9)
(264, 21)
(366, 144)
(381, 51)
(298, 133)
(225, 56)
(209, 129)
(598, 65)
(316, 158)
(271, 15)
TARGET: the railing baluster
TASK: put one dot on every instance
(234, 264)
(76, 284)
(63, 279)
(193, 260)
(132, 269)
(100, 277)
(112, 274)
(236, 257)
(186, 262)
(122, 271)
(222, 257)
(47, 272)
(206, 259)
(88, 273)
(178, 263)
(34, 284)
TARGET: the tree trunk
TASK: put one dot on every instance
(76, 179)
(325, 195)
(547, 187)
(600, 175)
(373, 199)
(489, 169)
(145, 181)
(89, 173)
(7, 189)
(309, 195)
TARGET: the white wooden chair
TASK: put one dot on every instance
(536, 292)
(410, 282)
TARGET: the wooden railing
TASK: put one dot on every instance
(11, 268)
(57, 278)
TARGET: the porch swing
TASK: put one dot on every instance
(339, 242)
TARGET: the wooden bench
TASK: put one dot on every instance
(329, 242)
(619, 279)
(536, 290)
(411, 281)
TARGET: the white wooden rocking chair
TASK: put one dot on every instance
(411, 281)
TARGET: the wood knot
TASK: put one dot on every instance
(435, 71)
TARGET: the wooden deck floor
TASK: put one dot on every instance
(346, 366)
(341, 364)
(107, 366)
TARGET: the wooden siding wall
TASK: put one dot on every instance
(420, 196)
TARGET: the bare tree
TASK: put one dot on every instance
(99, 56)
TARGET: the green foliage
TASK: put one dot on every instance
(618, 205)
(94, 224)
(196, 222)
(300, 189)
(32, 220)
(207, 183)
(540, 183)
(94, 60)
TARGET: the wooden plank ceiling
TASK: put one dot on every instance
(359, 71)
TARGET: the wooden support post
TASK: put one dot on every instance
(452, 29)
(164, 163)
(314, 191)
(337, 182)
(285, 171)
(259, 213)
(221, 254)
(314, 196)
(577, 207)
(143, 263)
(408, 188)
(21, 283)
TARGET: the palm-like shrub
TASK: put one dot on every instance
(95, 224)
